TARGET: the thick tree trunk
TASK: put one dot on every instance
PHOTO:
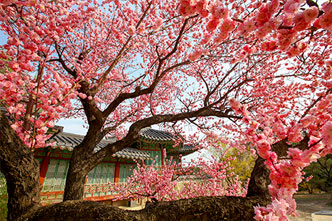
(74, 188)
(81, 164)
(79, 167)
(84, 159)
(21, 171)
(201, 208)
(259, 180)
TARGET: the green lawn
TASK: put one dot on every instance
(3, 198)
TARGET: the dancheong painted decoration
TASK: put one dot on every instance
(54, 163)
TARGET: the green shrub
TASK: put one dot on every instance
(321, 172)
(3, 198)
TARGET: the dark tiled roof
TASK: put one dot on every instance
(187, 148)
(163, 136)
(133, 154)
(156, 135)
(70, 140)
(67, 141)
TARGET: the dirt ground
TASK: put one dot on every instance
(308, 204)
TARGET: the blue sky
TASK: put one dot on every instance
(72, 126)
(3, 38)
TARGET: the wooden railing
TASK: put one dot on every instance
(100, 192)
(94, 192)
(99, 188)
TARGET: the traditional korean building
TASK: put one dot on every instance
(54, 163)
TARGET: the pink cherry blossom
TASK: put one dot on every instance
(254, 73)
(212, 25)
(291, 6)
(227, 25)
(235, 104)
(131, 30)
(310, 14)
(325, 21)
(327, 134)
(300, 22)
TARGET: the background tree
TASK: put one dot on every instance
(319, 175)
(242, 163)
(127, 65)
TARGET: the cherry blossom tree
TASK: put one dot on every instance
(255, 72)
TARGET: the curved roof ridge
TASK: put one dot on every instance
(67, 141)
(154, 134)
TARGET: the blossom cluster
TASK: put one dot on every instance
(275, 25)
(286, 172)
(173, 181)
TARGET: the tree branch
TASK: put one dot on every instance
(138, 92)
(118, 57)
(62, 62)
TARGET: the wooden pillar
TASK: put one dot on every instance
(162, 157)
(43, 168)
(117, 172)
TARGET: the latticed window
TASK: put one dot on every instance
(108, 174)
(60, 179)
(98, 175)
(98, 178)
(103, 173)
(156, 155)
(55, 178)
(90, 177)
(39, 160)
(125, 172)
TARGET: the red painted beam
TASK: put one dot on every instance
(162, 157)
(43, 168)
(117, 172)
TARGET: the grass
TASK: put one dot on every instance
(3, 198)
(3, 208)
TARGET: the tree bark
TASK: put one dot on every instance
(21, 171)
(74, 188)
(201, 208)
(78, 169)
(259, 180)
(80, 164)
